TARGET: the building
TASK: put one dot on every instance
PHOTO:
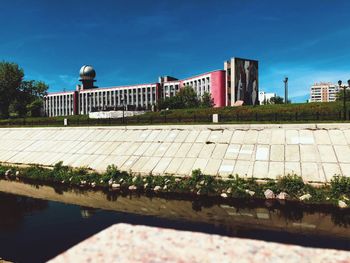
(87, 97)
(264, 97)
(323, 92)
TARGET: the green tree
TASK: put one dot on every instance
(207, 101)
(340, 95)
(277, 100)
(10, 80)
(185, 98)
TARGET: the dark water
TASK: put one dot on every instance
(35, 230)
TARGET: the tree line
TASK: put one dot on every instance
(19, 97)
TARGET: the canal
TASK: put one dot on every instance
(39, 222)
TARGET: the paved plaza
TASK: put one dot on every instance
(315, 151)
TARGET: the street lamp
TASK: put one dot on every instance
(344, 96)
(122, 102)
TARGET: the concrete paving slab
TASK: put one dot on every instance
(232, 151)
(200, 163)
(219, 151)
(243, 168)
(172, 150)
(203, 136)
(186, 166)
(327, 153)
(262, 153)
(181, 136)
(322, 137)
(206, 151)
(264, 136)
(277, 136)
(162, 149)
(292, 153)
(126, 166)
(343, 153)
(246, 152)
(171, 136)
(345, 169)
(261, 169)
(226, 167)
(142, 148)
(151, 149)
(251, 137)
(291, 168)
(277, 153)
(195, 150)
(276, 169)
(183, 150)
(174, 165)
(337, 137)
(312, 172)
(212, 167)
(331, 170)
(306, 137)
(309, 153)
(192, 136)
(238, 137)
(160, 168)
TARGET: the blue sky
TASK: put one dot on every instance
(130, 42)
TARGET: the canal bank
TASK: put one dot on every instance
(316, 152)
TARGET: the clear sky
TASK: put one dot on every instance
(130, 42)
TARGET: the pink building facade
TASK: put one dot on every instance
(87, 98)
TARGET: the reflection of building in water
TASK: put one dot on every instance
(238, 81)
(87, 212)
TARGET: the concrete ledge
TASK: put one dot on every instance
(128, 243)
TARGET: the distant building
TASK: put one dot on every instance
(323, 92)
(264, 97)
(237, 82)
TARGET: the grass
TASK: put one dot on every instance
(278, 113)
(196, 184)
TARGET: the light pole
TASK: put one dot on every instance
(122, 102)
(285, 90)
(344, 96)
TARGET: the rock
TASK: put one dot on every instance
(145, 186)
(342, 204)
(224, 195)
(251, 193)
(157, 188)
(93, 184)
(165, 187)
(202, 182)
(269, 194)
(101, 181)
(82, 182)
(134, 179)
(8, 173)
(167, 181)
(70, 179)
(305, 197)
(62, 182)
(110, 182)
(115, 186)
(132, 187)
(199, 192)
(144, 180)
(177, 180)
(121, 180)
(229, 191)
(18, 173)
(282, 196)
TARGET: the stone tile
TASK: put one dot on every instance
(192, 136)
(186, 166)
(309, 153)
(139, 164)
(232, 151)
(251, 137)
(276, 169)
(161, 150)
(292, 153)
(237, 137)
(343, 153)
(330, 170)
(200, 163)
(172, 150)
(151, 149)
(292, 168)
(264, 136)
(152, 137)
(292, 137)
(183, 150)
(181, 136)
(226, 167)
(327, 153)
(195, 150)
(246, 152)
(161, 166)
(312, 172)
(262, 153)
(150, 165)
(171, 136)
(212, 167)
(219, 151)
(345, 169)
(174, 165)
(126, 166)
(277, 136)
(337, 137)
(215, 136)
(243, 168)
(322, 137)
(226, 136)
(203, 136)
(261, 169)
(142, 148)
(347, 135)
(206, 151)
(277, 153)
(306, 137)
(143, 136)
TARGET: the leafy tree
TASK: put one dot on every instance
(10, 80)
(340, 95)
(34, 108)
(185, 98)
(207, 101)
(277, 100)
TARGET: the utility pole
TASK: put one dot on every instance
(285, 90)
